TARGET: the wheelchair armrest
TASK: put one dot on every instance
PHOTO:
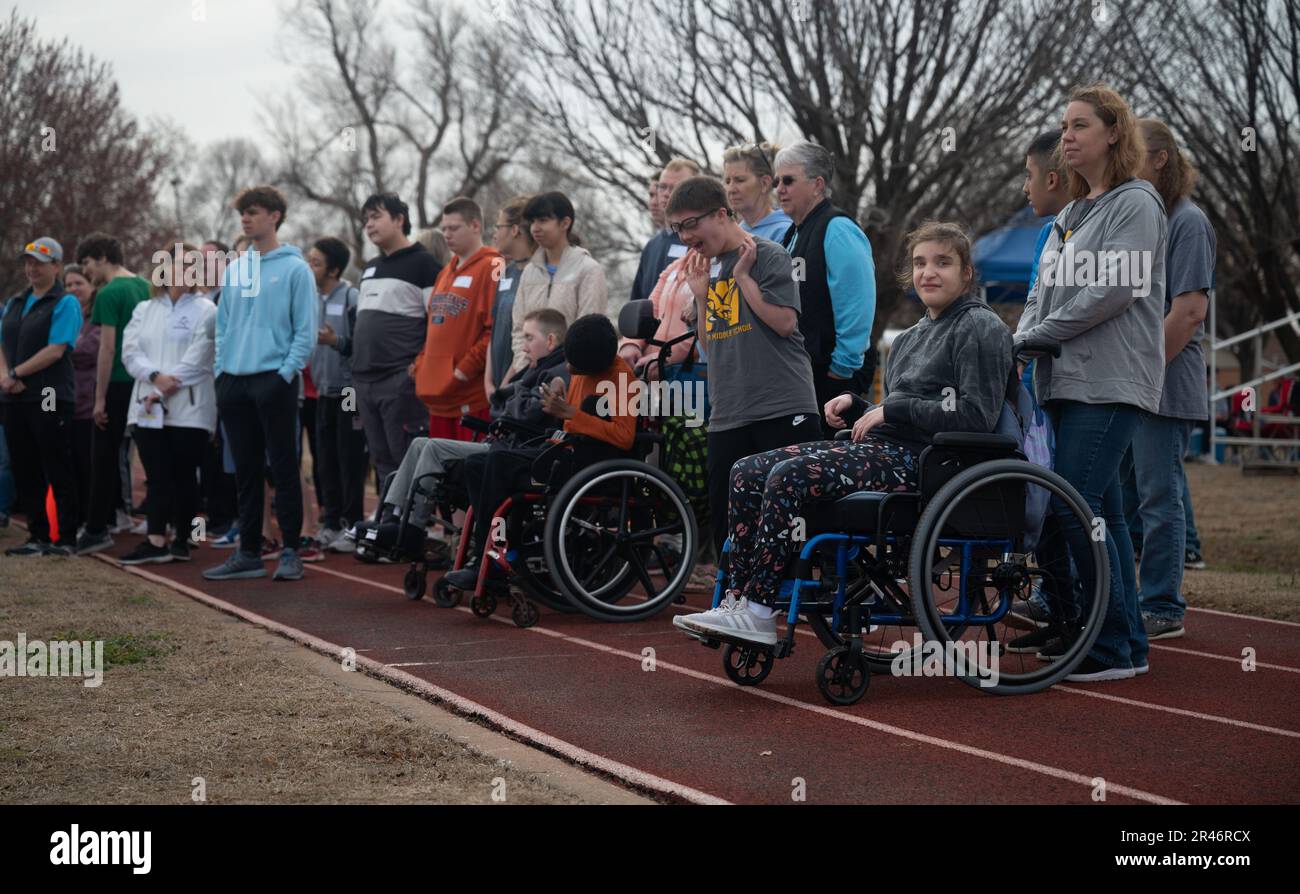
(514, 426)
(971, 440)
(1030, 348)
(475, 424)
(844, 434)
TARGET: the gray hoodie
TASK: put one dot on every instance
(331, 365)
(1109, 320)
(967, 349)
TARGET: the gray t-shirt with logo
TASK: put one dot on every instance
(1189, 268)
(754, 374)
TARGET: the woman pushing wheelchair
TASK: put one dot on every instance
(947, 373)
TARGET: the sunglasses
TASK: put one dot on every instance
(787, 180)
(690, 223)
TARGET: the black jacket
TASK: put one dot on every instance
(518, 398)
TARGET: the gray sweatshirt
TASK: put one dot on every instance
(968, 350)
(1100, 293)
(331, 366)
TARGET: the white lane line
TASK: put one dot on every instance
(1235, 659)
(1213, 718)
(889, 729)
(1215, 611)
(567, 750)
(482, 660)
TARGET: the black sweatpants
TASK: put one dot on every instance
(106, 461)
(340, 459)
(83, 437)
(307, 409)
(219, 487)
(725, 447)
(260, 412)
(40, 450)
(171, 457)
(491, 476)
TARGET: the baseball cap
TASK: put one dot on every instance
(43, 249)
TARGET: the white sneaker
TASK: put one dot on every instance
(141, 527)
(121, 524)
(731, 620)
(325, 537)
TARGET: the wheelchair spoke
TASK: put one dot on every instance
(643, 536)
(642, 574)
(599, 565)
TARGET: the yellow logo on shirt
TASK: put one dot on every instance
(723, 304)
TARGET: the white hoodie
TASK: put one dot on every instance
(176, 339)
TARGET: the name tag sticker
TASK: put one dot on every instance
(334, 310)
(676, 251)
(714, 269)
(505, 284)
(463, 282)
(370, 271)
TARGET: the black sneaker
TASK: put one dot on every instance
(60, 549)
(180, 550)
(1090, 670)
(1055, 648)
(145, 553)
(92, 542)
(30, 548)
(1031, 642)
(464, 579)
(1193, 560)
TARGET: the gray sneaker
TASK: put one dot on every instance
(290, 567)
(238, 566)
(1159, 627)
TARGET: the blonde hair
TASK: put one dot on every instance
(761, 157)
(157, 291)
(681, 164)
(1176, 179)
(945, 233)
(1125, 159)
(436, 244)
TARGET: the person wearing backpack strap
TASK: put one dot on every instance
(340, 436)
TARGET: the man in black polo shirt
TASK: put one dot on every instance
(37, 333)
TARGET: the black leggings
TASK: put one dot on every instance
(725, 447)
(171, 457)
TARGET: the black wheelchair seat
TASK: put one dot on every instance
(896, 513)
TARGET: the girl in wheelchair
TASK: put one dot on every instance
(948, 373)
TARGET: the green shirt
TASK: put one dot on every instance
(114, 304)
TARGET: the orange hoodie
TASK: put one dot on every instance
(619, 430)
(460, 327)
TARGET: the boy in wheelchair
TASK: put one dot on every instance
(948, 373)
(431, 473)
(492, 475)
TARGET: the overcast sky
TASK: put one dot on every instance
(205, 75)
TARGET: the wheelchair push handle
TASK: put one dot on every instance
(1031, 348)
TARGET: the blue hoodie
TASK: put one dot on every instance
(774, 226)
(266, 320)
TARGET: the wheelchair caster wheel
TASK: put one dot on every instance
(413, 584)
(525, 614)
(445, 596)
(483, 606)
(746, 665)
(843, 676)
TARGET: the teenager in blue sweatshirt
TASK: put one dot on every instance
(266, 329)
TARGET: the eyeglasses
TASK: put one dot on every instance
(690, 223)
(754, 154)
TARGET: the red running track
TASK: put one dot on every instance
(1196, 729)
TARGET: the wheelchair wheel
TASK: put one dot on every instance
(445, 596)
(525, 614)
(413, 584)
(968, 563)
(603, 527)
(747, 665)
(483, 606)
(843, 676)
(531, 571)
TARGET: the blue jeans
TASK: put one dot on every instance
(1091, 440)
(1157, 452)
(1189, 517)
(7, 488)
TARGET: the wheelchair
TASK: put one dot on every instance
(946, 561)
(615, 539)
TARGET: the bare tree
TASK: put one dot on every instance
(1234, 102)
(74, 160)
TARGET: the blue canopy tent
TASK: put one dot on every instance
(1004, 257)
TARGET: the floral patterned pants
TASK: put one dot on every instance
(770, 490)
